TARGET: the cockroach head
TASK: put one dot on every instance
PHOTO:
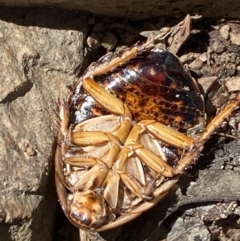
(88, 209)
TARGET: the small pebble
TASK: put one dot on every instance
(196, 64)
(224, 31)
(93, 41)
(109, 41)
(233, 84)
(30, 151)
(203, 57)
(235, 33)
(218, 47)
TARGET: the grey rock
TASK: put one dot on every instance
(192, 229)
(37, 65)
(140, 9)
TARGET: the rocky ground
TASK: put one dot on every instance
(43, 53)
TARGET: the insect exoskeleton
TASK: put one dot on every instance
(122, 138)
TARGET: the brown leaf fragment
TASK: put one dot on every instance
(180, 34)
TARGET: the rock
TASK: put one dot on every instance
(235, 33)
(192, 229)
(109, 41)
(93, 41)
(224, 31)
(218, 47)
(233, 84)
(196, 64)
(141, 9)
(38, 61)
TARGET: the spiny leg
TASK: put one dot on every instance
(111, 104)
(132, 147)
(211, 127)
(127, 55)
(87, 207)
(99, 165)
(115, 62)
(162, 133)
(166, 134)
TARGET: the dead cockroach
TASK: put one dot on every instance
(122, 141)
